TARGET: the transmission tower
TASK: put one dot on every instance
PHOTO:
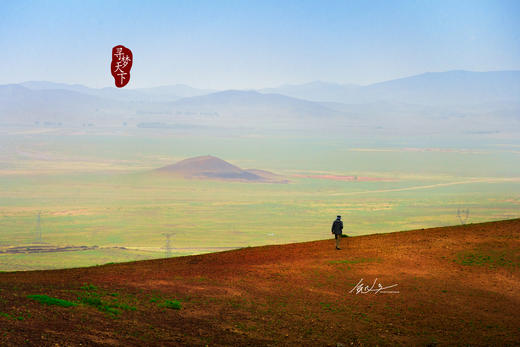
(168, 246)
(463, 215)
(39, 227)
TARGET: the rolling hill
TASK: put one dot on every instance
(19, 104)
(247, 104)
(456, 286)
(210, 167)
(316, 91)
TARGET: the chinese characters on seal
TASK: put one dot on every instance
(121, 65)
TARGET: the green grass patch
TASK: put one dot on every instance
(172, 304)
(327, 306)
(356, 261)
(125, 307)
(362, 316)
(47, 300)
(489, 258)
(95, 301)
(112, 307)
(8, 316)
(89, 287)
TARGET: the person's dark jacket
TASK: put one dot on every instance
(337, 227)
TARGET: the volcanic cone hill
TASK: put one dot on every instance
(210, 167)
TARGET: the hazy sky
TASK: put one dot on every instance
(254, 44)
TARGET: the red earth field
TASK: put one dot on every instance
(457, 286)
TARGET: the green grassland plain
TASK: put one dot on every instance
(96, 189)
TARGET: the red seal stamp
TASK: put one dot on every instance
(121, 64)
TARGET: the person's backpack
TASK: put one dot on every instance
(336, 225)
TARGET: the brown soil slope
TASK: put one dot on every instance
(457, 286)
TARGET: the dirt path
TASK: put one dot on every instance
(430, 186)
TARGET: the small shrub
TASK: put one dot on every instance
(47, 300)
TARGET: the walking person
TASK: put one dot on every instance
(337, 230)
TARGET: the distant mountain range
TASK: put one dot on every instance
(210, 167)
(441, 95)
(156, 94)
(433, 88)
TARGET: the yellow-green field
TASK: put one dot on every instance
(99, 190)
